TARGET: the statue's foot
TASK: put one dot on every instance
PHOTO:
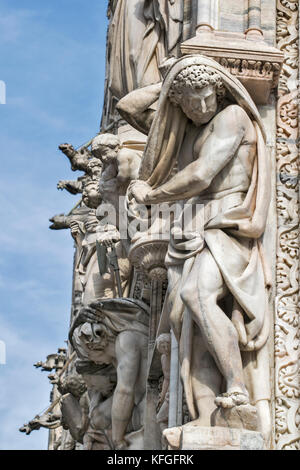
(238, 417)
(232, 399)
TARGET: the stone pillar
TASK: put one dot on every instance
(254, 19)
(175, 404)
(152, 439)
(204, 16)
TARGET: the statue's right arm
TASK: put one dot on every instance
(73, 187)
(135, 107)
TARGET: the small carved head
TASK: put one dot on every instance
(105, 147)
(198, 90)
(91, 195)
(94, 167)
(73, 384)
(163, 343)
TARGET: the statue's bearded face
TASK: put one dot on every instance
(199, 105)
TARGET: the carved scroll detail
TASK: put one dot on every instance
(287, 387)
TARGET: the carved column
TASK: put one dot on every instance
(204, 15)
(246, 55)
(152, 438)
(254, 18)
(287, 390)
(175, 407)
(207, 15)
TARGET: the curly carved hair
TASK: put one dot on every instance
(73, 384)
(105, 140)
(196, 77)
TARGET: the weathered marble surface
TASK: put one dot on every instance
(116, 332)
(192, 437)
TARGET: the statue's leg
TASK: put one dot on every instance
(174, 305)
(206, 380)
(202, 290)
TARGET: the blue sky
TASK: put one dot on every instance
(52, 61)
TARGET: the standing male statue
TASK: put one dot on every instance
(208, 130)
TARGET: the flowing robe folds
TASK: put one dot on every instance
(233, 227)
(141, 35)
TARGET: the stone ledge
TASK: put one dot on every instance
(193, 437)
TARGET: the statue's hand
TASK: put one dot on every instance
(109, 237)
(89, 315)
(139, 190)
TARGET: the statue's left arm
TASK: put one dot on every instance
(227, 132)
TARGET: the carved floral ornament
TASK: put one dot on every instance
(287, 432)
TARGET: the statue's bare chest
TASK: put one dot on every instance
(108, 182)
(193, 141)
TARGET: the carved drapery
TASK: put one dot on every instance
(287, 390)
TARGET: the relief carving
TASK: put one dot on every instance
(287, 302)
